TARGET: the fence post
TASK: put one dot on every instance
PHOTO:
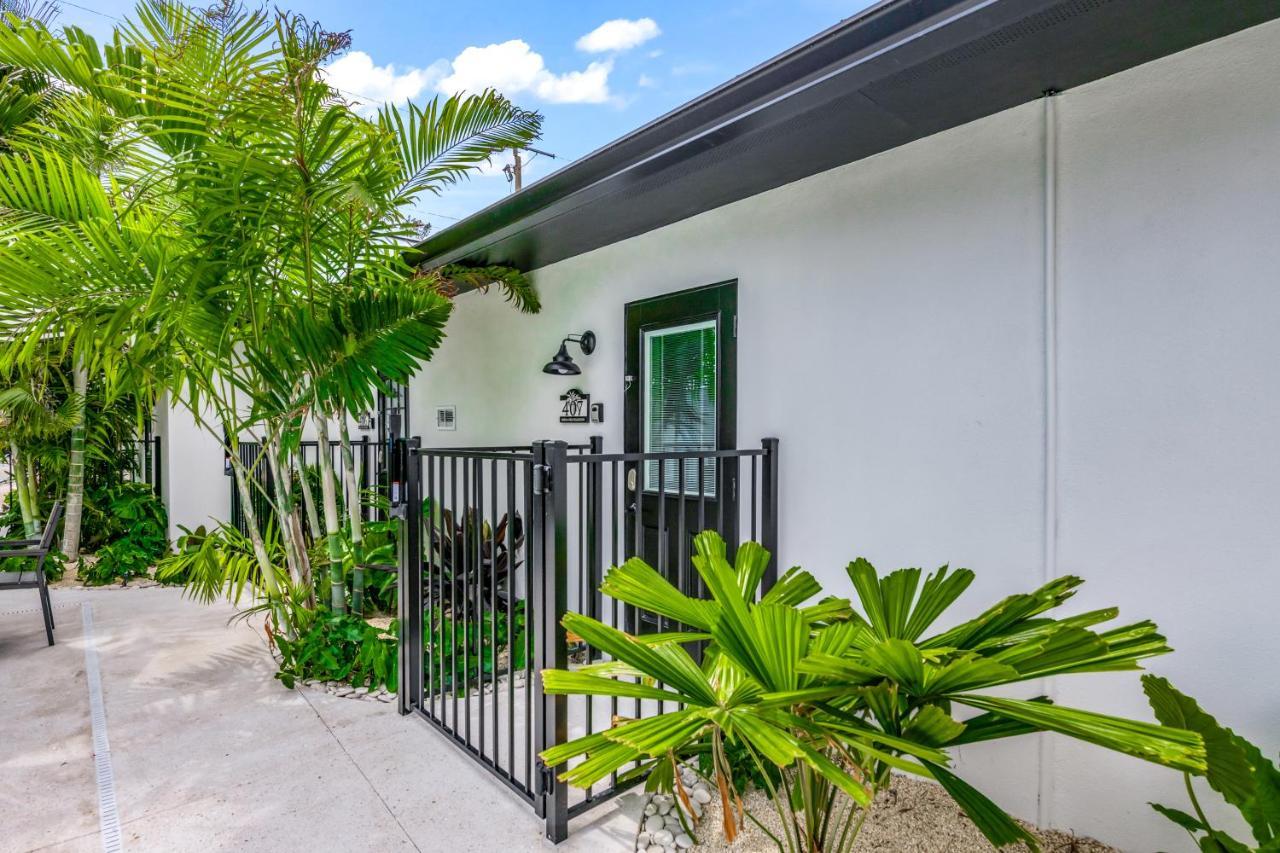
(551, 573)
(769, 510)
(595, 510)
(365, 484)
(158, 470)
(409, 596)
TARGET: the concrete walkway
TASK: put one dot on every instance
(211, 753)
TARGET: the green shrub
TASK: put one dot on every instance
(338, 647)
(455, 643)
(138, 535)
(11, 517)
(55, 565)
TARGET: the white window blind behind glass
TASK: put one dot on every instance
(680, 403)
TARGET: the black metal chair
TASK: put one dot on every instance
(35, 549)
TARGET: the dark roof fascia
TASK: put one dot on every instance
(836, 45)
(901, 70)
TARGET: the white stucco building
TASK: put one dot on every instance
(1037, 342)
(1028, 334)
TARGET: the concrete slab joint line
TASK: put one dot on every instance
(108, 815)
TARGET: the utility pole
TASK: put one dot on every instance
(515, 171)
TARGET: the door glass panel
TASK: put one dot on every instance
(679, 403)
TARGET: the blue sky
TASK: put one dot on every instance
(594, 69)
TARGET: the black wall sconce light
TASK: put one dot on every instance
(562, 364)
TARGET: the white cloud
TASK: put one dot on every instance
(356, 75)
(513, 68)
(646, 82)
(618, 35)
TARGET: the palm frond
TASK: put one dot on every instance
(444, 140)
(516, 286)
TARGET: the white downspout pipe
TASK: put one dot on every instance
(1044, 803)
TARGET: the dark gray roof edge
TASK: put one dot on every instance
(900, 70)
(865, 30)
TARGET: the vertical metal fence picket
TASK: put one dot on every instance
(371, 472)
(147, 464)
(500, 542)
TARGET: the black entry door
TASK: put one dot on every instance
(681, 397)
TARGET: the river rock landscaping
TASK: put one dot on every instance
(666, 822)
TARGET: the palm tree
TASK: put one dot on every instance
(78, 215)
(243, 243)
(29, 415)
(23, 95)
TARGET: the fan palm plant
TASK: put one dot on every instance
(834, 697)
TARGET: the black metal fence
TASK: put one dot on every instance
(147, 464)
(504, 541)
(371, 473)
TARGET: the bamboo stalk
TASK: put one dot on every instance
(329, 497)
(20, 485)
(75, 475)
(284, 506)
(33, 498)
(354, 516)
(251, 522)
(308, 500)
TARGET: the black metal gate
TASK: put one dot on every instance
(498, 543)
(370, 470)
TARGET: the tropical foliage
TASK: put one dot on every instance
(340, 647)
(39, 408)
(835, 696)
(194, 211)
(137, 527)
(470, 648)
(1244, 777)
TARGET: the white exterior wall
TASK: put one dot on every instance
(892, 335)
(196, 491)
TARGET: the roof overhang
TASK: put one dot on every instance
(897, 72)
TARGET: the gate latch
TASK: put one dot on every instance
(546, 779)
(541, 479)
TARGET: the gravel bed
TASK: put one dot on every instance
(914, 816)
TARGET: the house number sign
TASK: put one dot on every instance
(575, 407)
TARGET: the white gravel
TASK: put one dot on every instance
(914, 816)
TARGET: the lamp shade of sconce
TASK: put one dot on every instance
(562, 364)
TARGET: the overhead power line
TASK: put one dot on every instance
(515, 170)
